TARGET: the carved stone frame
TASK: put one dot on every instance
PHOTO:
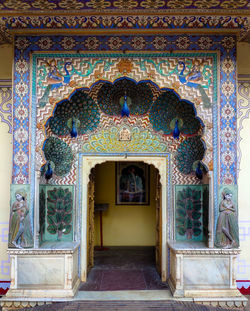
(161, 163)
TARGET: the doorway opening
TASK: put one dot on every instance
(124, 233)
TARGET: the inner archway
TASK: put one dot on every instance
(161, 162)
(126, 231)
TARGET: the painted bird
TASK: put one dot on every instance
(125, 110)
(198, 171)
(73, 132)
(49, 172)
(176, 131)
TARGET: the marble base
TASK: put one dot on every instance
(200, 272)
(44, 273)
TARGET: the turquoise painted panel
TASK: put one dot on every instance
(42, 210)
(205, 208)
(20, 232)
(188, 213)
(59, 213)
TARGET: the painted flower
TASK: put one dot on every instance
(152, 4)
(45, 43)
(21, 112)
(21, 66)
(98, 4)
(20, 158)
(21, 135)
(228, 42)
(179, 4)
(69, 4)
(183, 42)
(71, 21)
(115, 43)
(227, 158)
(125, 4)
(68, 43)
(91, 43)
(227, 88)
(228, 111)
(228, 65)
(21, 43)
(20, 179)
(16, 4)
(138, 43)
(228, 134)
(160, 43)
(228, 179)
(43, 5)
(233, 4)
(21, 89)
(205, 43)
(206, 4)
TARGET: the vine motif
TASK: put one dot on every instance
(243, 112)
(5, 107)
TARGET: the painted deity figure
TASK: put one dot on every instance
(227, 233)
(20, 234)
(131, 186)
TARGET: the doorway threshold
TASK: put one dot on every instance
(127, 295)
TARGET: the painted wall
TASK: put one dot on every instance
(123, 225)
(244, 165)
(6, 57)
(243, 52)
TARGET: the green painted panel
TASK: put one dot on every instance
(188, 213)
(59, 213)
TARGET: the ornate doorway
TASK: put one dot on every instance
(161, 163)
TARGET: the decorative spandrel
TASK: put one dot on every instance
(20, 231)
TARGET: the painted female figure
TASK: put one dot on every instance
(19, 231)
(227, 233)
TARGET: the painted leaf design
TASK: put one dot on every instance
(52, 229)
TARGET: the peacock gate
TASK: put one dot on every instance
(121, 142)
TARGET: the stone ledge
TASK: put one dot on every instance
(198, 248)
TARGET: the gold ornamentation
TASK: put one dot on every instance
(125, 4)
(179, 4)
(125, 66)
(69, 4)
(233, 4)
(98, 4)
(152, 4)
(125, 134)
(43, 5)
(206, 4)
(16, 4)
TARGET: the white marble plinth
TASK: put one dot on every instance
(44, 272)
(197, 271)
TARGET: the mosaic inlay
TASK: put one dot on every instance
(36, 5)
(224, 44)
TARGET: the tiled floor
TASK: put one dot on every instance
(124, 268)
(127, 306)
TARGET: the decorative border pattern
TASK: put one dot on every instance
(128, 5)
(243, 112)
(225, 44)
(125, 22)
(6, 105)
